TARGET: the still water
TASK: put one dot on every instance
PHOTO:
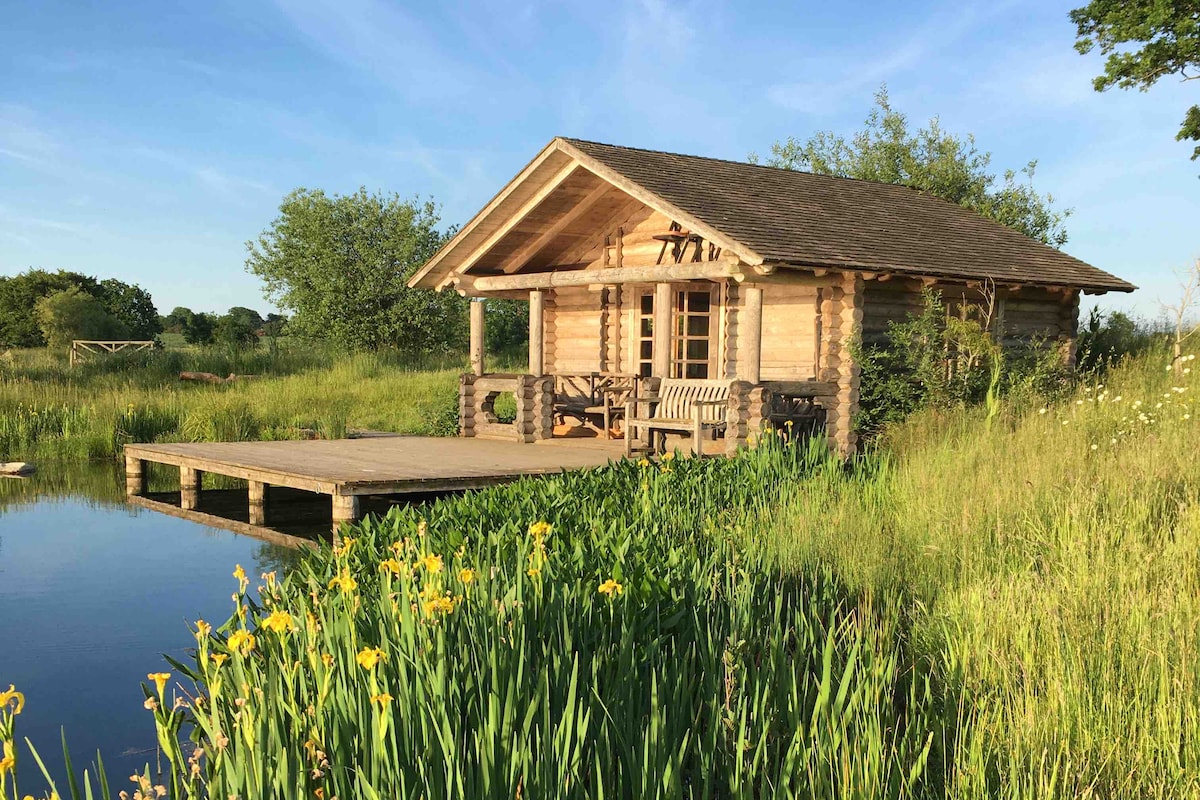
(92, 594)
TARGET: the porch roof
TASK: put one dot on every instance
(764, 215)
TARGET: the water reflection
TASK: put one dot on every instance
(92, 593)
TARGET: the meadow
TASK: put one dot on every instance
(51, 411)
(991, 604)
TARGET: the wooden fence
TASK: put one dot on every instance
(84, 349)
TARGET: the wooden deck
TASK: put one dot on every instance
(349, 470)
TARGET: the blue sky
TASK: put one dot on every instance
(148, 140)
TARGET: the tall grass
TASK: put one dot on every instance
(1000, 603)
(49, 411)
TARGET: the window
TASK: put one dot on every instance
(691, 333)
(645, 334)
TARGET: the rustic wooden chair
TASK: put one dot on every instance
(594, 398)
(616, 390)
(680, 406)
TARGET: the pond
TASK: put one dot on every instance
(93, 592)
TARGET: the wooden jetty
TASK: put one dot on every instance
(351, 470)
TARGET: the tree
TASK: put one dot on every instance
(1181, 330)
(74, 314)
(930, 160)
(238, 328)
(1169, 34)
(340, 265)
(19, 295)
(507, 328)
(274, 325)
(131, 304)
(199, 328)
(178, 320)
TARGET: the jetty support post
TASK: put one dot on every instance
(189, 488)
(345, 509)
(135, 476)
(256, 492)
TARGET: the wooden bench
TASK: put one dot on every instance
(680, 406)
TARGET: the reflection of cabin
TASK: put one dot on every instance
(644, 263)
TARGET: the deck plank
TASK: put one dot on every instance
(384, 465)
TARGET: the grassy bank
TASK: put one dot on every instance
(49, 411)
(983, 608)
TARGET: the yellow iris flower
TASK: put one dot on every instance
(383, 698)
(13, 698)
(540, 530)
(219, 658)
(160, 681)
(241, 641)
(610, 588)
(467, 575)
(8, 763)
(278, 621)
(391, 565)
(431, 563)
(368, 657)
(344, 581)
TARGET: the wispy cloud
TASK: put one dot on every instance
(843, 76)
(385, 41)
(219, 182)
(22, 138)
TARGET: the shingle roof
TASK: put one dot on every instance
(799, 218)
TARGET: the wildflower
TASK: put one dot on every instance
(203, 629)
(160, 680)
(391, 565)
(241, 641)
(342, 548)
(219, 658)
(533, 572)
(278, 621)
(432, 563)
(368, 657)
(11, 697)
(643, 462)
(151, 704)
(439, 604)
(1042, 411)
(344, 581)
(239, 573)
(8, 763)
(668, 456)
(1094, 446)
(466, 575)
(327, 659)
(383, 698)
(540, 530)
(610, 588)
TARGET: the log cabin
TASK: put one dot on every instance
(648, 271)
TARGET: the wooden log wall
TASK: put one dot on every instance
(789, 332)
(1018, 317)
(573, 318)
(841, 315)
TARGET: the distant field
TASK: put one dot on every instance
(51, 410)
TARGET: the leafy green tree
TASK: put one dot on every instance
(178, 320)
(19, 295)
(340, 264)
(1169, 34)
(238, 328)
(74, 314)
(929, 160)
(131, 304)
(507, 328)
(274, 325)
(199, 328)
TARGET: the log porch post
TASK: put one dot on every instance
(662, 330)
(750, 334)
(537, 357)
(477, 333)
